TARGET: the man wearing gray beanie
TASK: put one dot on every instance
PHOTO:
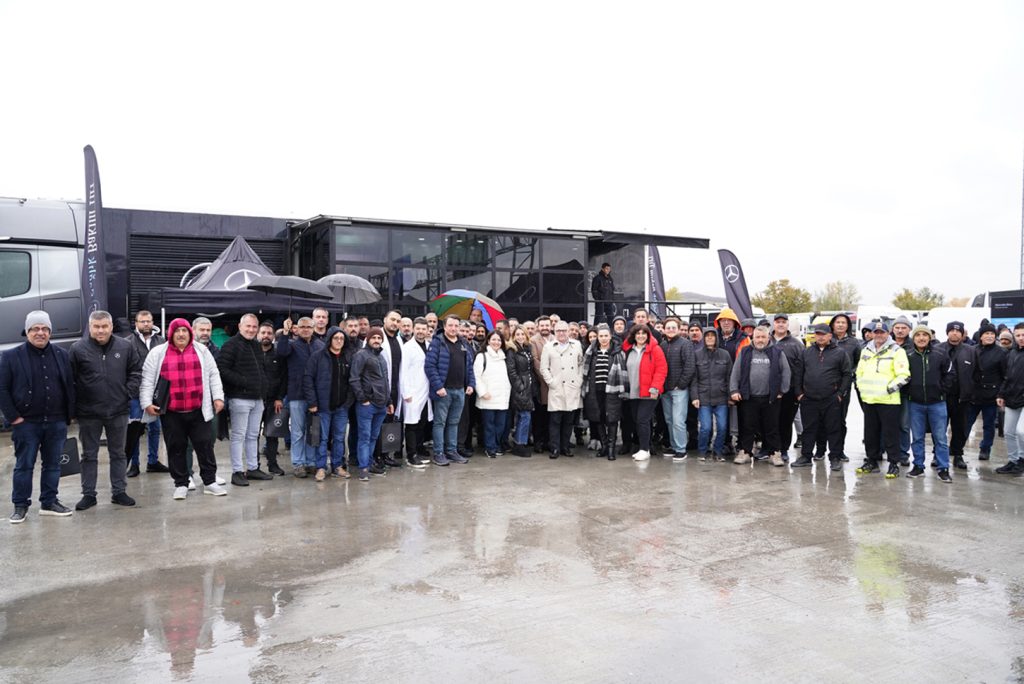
(37, 394)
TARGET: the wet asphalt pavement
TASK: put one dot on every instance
(527, 570)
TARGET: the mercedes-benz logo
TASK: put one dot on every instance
(65, 459)
(240, 279)
(391, 437)
(732, 273)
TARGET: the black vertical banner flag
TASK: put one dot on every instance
(657, 281)
(94, 269)
(735, 284)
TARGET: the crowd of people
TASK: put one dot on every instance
(743, 390)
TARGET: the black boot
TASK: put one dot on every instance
(611, 434)
(272, 465)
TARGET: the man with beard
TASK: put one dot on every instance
(989, 374)
(821, 381)
(788, 405)
(245, 385)
(676, 399)
(274, 371)
(759, 379)
(961, 358)
(296, 351)
(391, 351)
(540, 421)
(143, 339)
(842, 328)
(405, 329)
(369, 382)
(417, 410)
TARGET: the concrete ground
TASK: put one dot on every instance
(527, 570)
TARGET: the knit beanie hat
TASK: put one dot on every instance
(35, 318)
(375, 331)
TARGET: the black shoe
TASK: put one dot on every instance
(538, 449)
(894, 471)
(904, 461)
(56, 509)
(802, 462)
(819, 457)
(258, 475)
(568, 453)
(917, 471)
(310, 470)
(490, 454)
(85, 503)
(417, 462)
(1011, 468)
(466, 453)
(835, 464)
(984, 455)
(238, 479)
(959, 463)
(275, 469)
(867, 467)
(761, 456)
(121, 499)
(943, 475)
(728, 450)
(798, 443)
(392, 463)
(133, 470)
(157, 467)
(553, 455)
(679, 456)
(378, 470)
(844, 458)
(934, 463)
(364, 475)
(18, 516)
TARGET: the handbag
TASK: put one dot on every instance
(313, 429)
(391, 437)
(162, 394)
(276, 424)
(70, 464)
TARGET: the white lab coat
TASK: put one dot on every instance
(412, 382)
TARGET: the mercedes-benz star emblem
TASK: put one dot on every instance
(732, 274)
(240, 279)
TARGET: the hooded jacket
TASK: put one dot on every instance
(107, 377)
(368, 378)
(213, 389)
(320, 374)
(961, 357)
(735, 342)
(710, 383)
(989, 373)
(849, 344)
(519, 362)
(881, 373)
(1012, 389)
(824, 373)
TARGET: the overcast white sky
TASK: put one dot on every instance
(876, 142)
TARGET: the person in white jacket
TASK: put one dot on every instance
(493, 390)
(417, 409)
(194, 396)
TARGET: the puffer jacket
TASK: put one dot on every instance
(680, 359)
(961, 356)
(320, 373)
(824, 372)
(1012, 389)
(519, 362)
(106, 377)
(653, 368)
(989, 373)
(241, 369)
(711, 381)
(490, 370)
(613, 390)
(931, 375)
(794, 352)
(881, 373)
(368, 379)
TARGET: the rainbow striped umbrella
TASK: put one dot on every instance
(461, 302)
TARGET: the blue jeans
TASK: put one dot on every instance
(522, 430)
(332, 425)
(447, 412)
(921, 416)
(152, 435)
(369, 419)
(704, 417)
(988, 424)
(301, 454)
(246, 416)
(675, 403)
(494, 428)
(46, 440)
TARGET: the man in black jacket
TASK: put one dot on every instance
(107, 372)
(676, 398)
(273, 400)
(369, 382)
(788, 405)
(602, 289)
(822, 381)
(143, 338)
(245, 385)
(391, 351)
(1011, 397)
(961, 358)
(989, 374)
(842, 329)
(930, 379)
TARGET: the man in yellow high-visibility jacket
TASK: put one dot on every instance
(883, 369)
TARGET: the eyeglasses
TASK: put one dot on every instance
(304, 326)
(38, 329)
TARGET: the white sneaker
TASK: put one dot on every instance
(191, 483)
(180, 493)
(215, 489)
(221, 481)
(642, 455)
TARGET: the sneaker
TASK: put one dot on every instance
(1011, 468)
(917, 471)
(984, 455)
(300, 472)
(133, 470)
(258, 475)
(934, 463)
(18, 516)
(718, 458)
(364, 474)
(377, 470)
(191, 483)
(180, 493)
(341, 472)
(457, 457)
(85, 503)
(867, 467)
(219, 480)
(943, 475)
(761, 455)
(894, 470)
(835, 464)
(390, 462)
(56, 509)
(642, 455)
(122, 499)
(275, 469)
(157, 467)
(321, 475)
(439, 460)
(798, 443)
(802, 462)
(819, 457)
(238, 479)
(310, 469)
(959, 463)
(679, 456)
(215, 489)
(844, 458)
(904, 460)
(742, 458)
(776, 460)
(704, 458)
(491, 454)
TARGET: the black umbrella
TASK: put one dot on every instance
(350, 289)
(292, 286)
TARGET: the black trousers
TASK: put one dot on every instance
(416, 435)
(957, 414)
(181, 428)
(881, 425)
(628, 423)
(788, 406)
(540, 425)
(604, 312)
(758, 416)
(842, 429)
(822, 416)
(691, 427)
(642, 411)
(560, 430)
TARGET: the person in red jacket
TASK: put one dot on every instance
(646, 370)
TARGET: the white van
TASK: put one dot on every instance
(940, 316)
